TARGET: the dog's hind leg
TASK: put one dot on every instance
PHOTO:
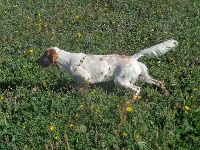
(144, 77)
(157, 83)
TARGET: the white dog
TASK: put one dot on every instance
(124, 70)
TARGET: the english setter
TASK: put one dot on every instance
(124, 70)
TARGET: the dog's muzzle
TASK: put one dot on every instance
(43, 61)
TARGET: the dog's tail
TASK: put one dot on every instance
(157, 50)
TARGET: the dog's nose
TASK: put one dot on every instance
(40, 61)
(43, 61)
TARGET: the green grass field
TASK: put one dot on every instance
(40, 109)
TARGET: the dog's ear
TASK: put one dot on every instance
(52, 55)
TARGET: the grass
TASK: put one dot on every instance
(40, 109)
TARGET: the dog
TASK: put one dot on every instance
(124, 70)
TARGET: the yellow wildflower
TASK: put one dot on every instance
(81, 106)
(124, 134)
(77, 115)
(31, 51)
(129, 109)
(52, 128)
(23, 127)
(103, 51)
(191, 96)
(92, 92)
(56, 137)
(139, 97)
(187, 108)
(70, 125)
(79, 35)
(1, 98)
(24, 67)
(15, 5)
(98, 110)
(136, 136)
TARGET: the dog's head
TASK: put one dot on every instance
(49, 57)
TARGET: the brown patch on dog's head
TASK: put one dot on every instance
(52, 55)
(100, 59)
(49, 57)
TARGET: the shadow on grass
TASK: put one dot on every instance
(60, 85)
(4, 86)
(64, 86)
